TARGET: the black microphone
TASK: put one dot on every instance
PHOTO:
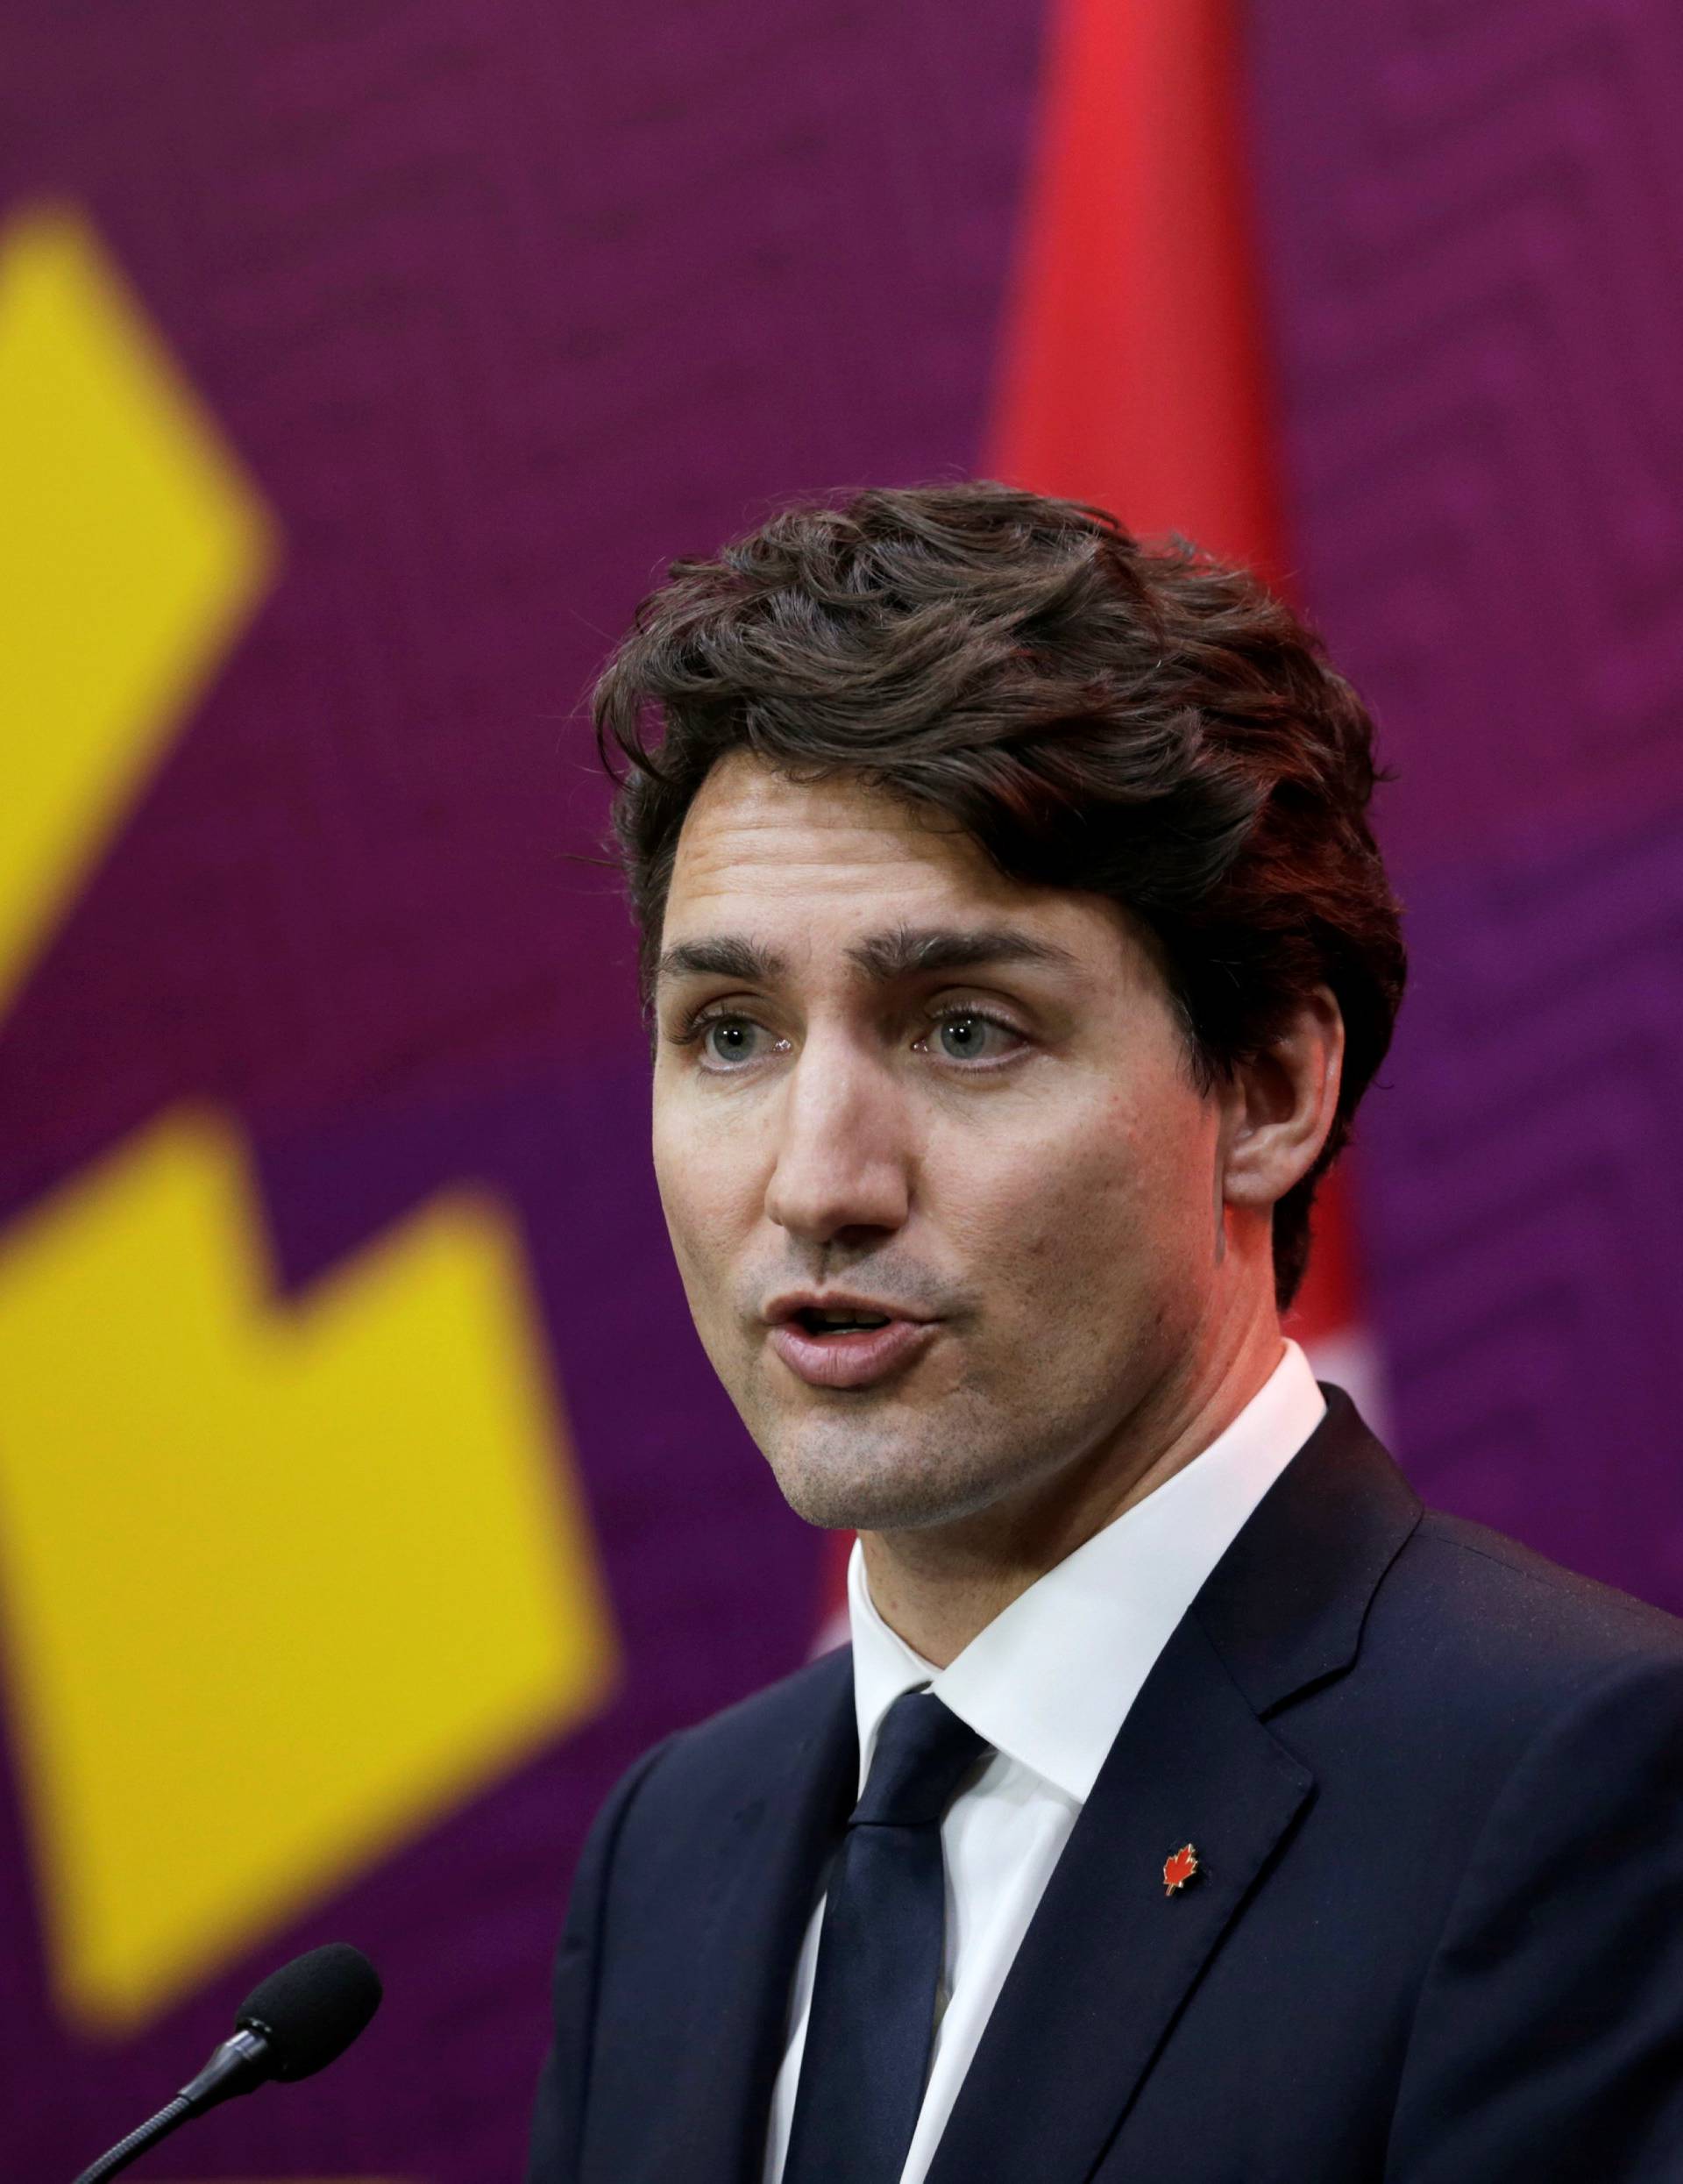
(291, 2024)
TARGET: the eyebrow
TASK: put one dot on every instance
(726, 956)
(904, 952)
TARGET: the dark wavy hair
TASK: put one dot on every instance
(1124, 719)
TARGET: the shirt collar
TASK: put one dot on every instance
(1049, 1681)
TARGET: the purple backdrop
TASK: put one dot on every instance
(502, 307)
(1474, 223)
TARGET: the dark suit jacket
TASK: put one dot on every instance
(1437, 1783)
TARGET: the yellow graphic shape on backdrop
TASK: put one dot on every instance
(131, 551)
(281, 1583)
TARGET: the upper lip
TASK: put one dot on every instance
(795, 1301)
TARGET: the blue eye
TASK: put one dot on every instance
(728, 1039)
(964, 1034)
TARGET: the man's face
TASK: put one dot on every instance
(893, 1084)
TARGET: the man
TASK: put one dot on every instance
(1191, 1806)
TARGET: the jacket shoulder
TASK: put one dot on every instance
(743, 1749)
(1544, 2037)
(1519, 1622)
(1485, 1564)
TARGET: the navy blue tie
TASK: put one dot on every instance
(880, 1947)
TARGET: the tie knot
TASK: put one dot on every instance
(923, 1752)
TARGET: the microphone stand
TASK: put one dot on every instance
(135, 2144)
(237, 2066)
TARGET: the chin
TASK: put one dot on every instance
(873, 1490)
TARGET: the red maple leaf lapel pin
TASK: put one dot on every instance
(1181, 1869)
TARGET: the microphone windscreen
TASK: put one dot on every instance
(312, 2009)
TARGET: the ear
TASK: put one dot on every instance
(1278, 1109)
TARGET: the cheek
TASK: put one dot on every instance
(705, 1193)
(1095, 1200)
(682, 1184)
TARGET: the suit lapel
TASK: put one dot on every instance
(1110, 1958)
(1285, 1605)
(712, 2125)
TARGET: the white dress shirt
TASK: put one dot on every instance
(1048, 1683)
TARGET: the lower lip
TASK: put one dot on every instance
(850, 1361)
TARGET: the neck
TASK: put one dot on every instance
(939, 1585)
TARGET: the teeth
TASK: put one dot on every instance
(835, 1321)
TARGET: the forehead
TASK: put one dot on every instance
(806, 864)
(751, 829)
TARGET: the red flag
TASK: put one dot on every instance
(1134, 373)
(1135, 366)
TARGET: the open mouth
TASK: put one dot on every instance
(846, 1345)
(822, 1323)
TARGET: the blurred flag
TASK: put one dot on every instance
(1135, 374)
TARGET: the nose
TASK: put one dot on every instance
(843, 1160)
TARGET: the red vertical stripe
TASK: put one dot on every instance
(1135, 363)
(1134, 367)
